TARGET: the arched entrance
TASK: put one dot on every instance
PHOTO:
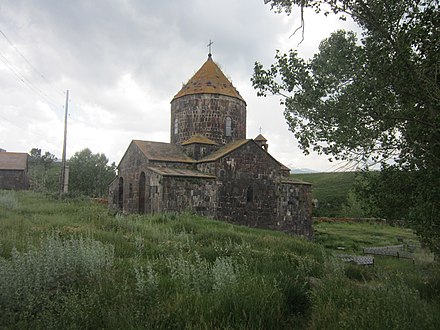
(121, 194)
(142, 193)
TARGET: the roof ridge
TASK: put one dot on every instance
(224, 150)
(198, 138)
(169, 152)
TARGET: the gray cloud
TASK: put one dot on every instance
(123, 61)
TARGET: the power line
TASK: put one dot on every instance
(26, 60)
(28, 84)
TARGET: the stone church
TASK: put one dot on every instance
(210, 167)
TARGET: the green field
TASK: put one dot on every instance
(331, 190)
(71, 264)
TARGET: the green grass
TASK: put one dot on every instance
(330, 189)
(353, 236)
(71, 264)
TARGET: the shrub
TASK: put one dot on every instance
(31, 281)
(8, 200)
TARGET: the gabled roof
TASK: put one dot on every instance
(198, 138)
(13, 160)
(168, 152)
(223, 151)
(161, 151)
(209, 80)
(181, 172)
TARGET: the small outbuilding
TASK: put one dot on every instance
(14, 171)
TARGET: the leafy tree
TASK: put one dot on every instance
(43, 172)
(90, 174)
(373, 99)
(34, 155)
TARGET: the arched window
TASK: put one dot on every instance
(176, 126)
(121, 194)
(142, 182)
(130, 190)
(228, 130)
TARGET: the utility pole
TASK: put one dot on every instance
(64, 179)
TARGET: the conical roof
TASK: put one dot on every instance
(209, 80)
(260, 138)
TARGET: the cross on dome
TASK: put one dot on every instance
(209, 46)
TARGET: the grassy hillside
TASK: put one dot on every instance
(70, 264)
(330, 189)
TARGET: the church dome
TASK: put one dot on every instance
(209, 79)
(208, 105)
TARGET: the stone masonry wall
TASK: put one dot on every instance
(294, 209)
(130, 168)
(199, 150)
(247, 187)
(206, 114)
(195, 194)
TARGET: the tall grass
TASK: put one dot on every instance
(71, 264)
(8, 200)
(392, 304)
(32, 280)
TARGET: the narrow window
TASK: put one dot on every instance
(130, 190)
(249, 195)
(121, 194)
(228, 126)
(176, 126)
(142, 193)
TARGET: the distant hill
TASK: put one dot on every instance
(330, 189)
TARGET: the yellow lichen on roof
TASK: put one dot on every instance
(209, 80)
(161, 151)
(198, 139)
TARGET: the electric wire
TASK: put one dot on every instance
(28, 84)
(27, 61)
(52, 100)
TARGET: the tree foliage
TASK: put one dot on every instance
(43, 172)
(375, 98)
(90, 174)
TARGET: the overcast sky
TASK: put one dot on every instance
(124, 60)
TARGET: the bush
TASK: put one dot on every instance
(8, 200)
(33, 281)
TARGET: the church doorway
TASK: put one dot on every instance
(121, 194)
(142, 193)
